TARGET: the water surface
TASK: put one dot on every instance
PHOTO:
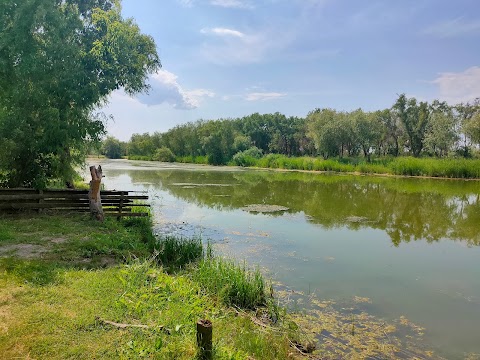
(411, 246)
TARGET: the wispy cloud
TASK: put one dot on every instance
(233, 47)
(232, 4)
(459, 87)
(455, 27)
(264, 96)
(222, 32)
(186, 3)
(166, 89)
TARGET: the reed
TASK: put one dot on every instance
(234, 284)
(192, 159)
(175, 253)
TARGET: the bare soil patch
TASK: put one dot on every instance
(25, 251)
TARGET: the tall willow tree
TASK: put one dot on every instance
(414, 117)
(59, 60)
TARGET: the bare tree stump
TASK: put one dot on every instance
(204, 339)
(94, 193)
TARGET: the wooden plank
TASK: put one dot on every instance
(117, 203)
(59, 205)
(130, 197)
(4, 191)
(64, 196)
(127, 214)
(82, 201)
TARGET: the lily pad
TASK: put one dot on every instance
(264, 208)
(356, 219)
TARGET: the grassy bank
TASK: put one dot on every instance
(74, 288)
(458, 168)
(406, 166)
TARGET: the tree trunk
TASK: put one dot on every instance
(94, 193)
(204, 339)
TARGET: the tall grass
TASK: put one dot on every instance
(176, 253)
(140, 157)
(192, 159)
(409, 166)
(234, 284)
(450, 168)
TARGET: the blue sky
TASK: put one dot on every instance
(230, 58)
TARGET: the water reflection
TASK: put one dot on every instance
(334, 242)
(406, 209)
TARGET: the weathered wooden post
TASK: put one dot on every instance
(204, 339)
(94, 193)
(41, 200)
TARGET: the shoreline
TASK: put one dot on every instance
(328, 172)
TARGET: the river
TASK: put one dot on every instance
(408, 247)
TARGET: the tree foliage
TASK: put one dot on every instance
(113, 148)
(408, 128)
(164, 154)
(59, 60)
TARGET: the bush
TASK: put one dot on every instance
(248, 157)
(113, 148)
(164, 154)
(269, 161)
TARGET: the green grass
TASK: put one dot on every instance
(449, 168)
(406, 166)
(458, 168)
(76, 239)
(53, 306)
(176, 253)
(140, 157)
(232, 283)
(192, 159)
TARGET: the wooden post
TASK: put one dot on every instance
(120, 207)
(204, 339)
(41, 200)
(94, 193)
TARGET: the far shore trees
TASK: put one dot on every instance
(408, 128)
(59, 60)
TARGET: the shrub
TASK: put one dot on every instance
(164, 154)
(248, 157)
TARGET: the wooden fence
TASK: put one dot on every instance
(115, 203)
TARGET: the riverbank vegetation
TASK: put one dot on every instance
(411, 138)
(73, 288)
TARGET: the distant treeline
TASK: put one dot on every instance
(408, 128)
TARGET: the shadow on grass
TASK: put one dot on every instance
(36, 272)
(69, 241)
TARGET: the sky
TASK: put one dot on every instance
(231, 58)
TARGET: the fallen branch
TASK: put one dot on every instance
(124, 326)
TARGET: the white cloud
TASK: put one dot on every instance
(263, 96)
(459, 87)
(222, 32)
(166, 89)
(453, 28)
(243, 47)
(232, 4)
